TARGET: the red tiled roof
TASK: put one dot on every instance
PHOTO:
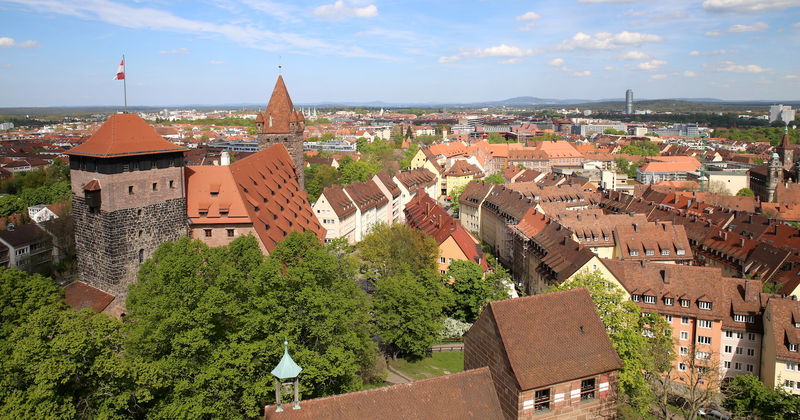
(80, 295)
(277, 206)
(548, 344)
(124, 135)
(464, 395)
(212, 190)
(279, 112)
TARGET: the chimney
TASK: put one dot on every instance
(741, 242)
(224, 159)
(635, 227)
(750, 218)
(746, 288)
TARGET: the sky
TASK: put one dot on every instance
(66, 52)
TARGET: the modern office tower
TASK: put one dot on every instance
(629, 102)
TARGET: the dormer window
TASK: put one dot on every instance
(797, 324)
(706, 306)
(605, 238)
(793, 347)
(684, 303)
(636, 298)
(665, 252)
(634, 253)
(649, 299)
(681, 252)
(669, 301)
(744, 318)
(649, 252)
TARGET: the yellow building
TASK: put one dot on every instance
(780, 358)
(460, 174)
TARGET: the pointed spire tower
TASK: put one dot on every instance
(281, 123)
(786, 151)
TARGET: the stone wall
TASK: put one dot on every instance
(148, 187)
(293, 143)
(108, 243)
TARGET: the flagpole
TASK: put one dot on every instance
(125, 83)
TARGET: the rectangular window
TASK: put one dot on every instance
(207, 232)
(706, 306)
(788, 384)
(649, 252)
(682, 367)
(728, 349)
(750, 368)
(751, 336)
(587, 389)
(739, 350)
(701, 339)
(751, 352)
(155, 186)
(684, 335)
(685, 320)
(231, 233)
(171, 183)
(684, 303)
(727, 365)
(130, 189)
(684, 351)
(737, 366)
(793, 347)
(680, 252)
(668, 318)
(634, 253)
(635, 298)
(702, 355)
(442, 260)
(703, 323)
(665, 252)
(728, 334)
(669, 301)
(541, 400)
(650, 299)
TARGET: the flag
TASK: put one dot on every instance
(121, 70)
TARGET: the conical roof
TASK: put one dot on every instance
(124, 135)
(286, 368)
(786, 142)
(280, 111)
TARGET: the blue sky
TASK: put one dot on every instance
(65, 52)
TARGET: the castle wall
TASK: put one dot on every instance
(108, 243)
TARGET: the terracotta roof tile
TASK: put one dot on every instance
(280, 112)
(124, 135)
(80, 295)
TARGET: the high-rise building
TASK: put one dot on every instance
(629, 102)
(280, 123)
(781, 113)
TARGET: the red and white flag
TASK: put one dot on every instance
(121, 70)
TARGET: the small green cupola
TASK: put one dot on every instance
(286, 379)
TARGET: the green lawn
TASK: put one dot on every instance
(440, 363)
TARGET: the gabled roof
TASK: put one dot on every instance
(785, 313)
(464, 395)
(339, 201)
(548, 344)
(267, 182)
(80, 295)
(213, 191)
(124, 135)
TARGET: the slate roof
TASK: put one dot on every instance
(465, 395)
(124, 135)
(553, 338)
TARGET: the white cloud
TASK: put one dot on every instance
(133, 17)
(688, 73)
(339, 11)
(696, 53)
(528, 18)
(608, 1)
(634, 55)
(607, 41)
(791, 76)
(756, 27)
(511, 61)
(658, 76)
(714, 33)
(609, 68)
(748, 6)
(284, 12)
(175, 51)
(732, 67)
(557, 62)
(6, 42)
(217, 62)
(651, 65)
(497, 51)
(582, 73)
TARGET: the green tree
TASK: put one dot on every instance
(640, 148)
(408, 156)
(643, 341)
(318, 177)
(746, 397)
(11, 204)
(471, 290)
(357, 171)
(495, 178)
(208, 324)
(745, 192)
(614, 132)
(455, 194)
(21, 295)
(495, 138)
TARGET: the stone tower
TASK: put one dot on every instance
(127, 199)
(280, 123)
(786, 152)
(775, 176)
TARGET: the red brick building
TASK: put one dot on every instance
(549, 355)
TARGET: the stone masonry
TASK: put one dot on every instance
(293, 143)
(109, 243)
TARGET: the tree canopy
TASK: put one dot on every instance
(747, 398)
(745, 192)
(471, 290)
